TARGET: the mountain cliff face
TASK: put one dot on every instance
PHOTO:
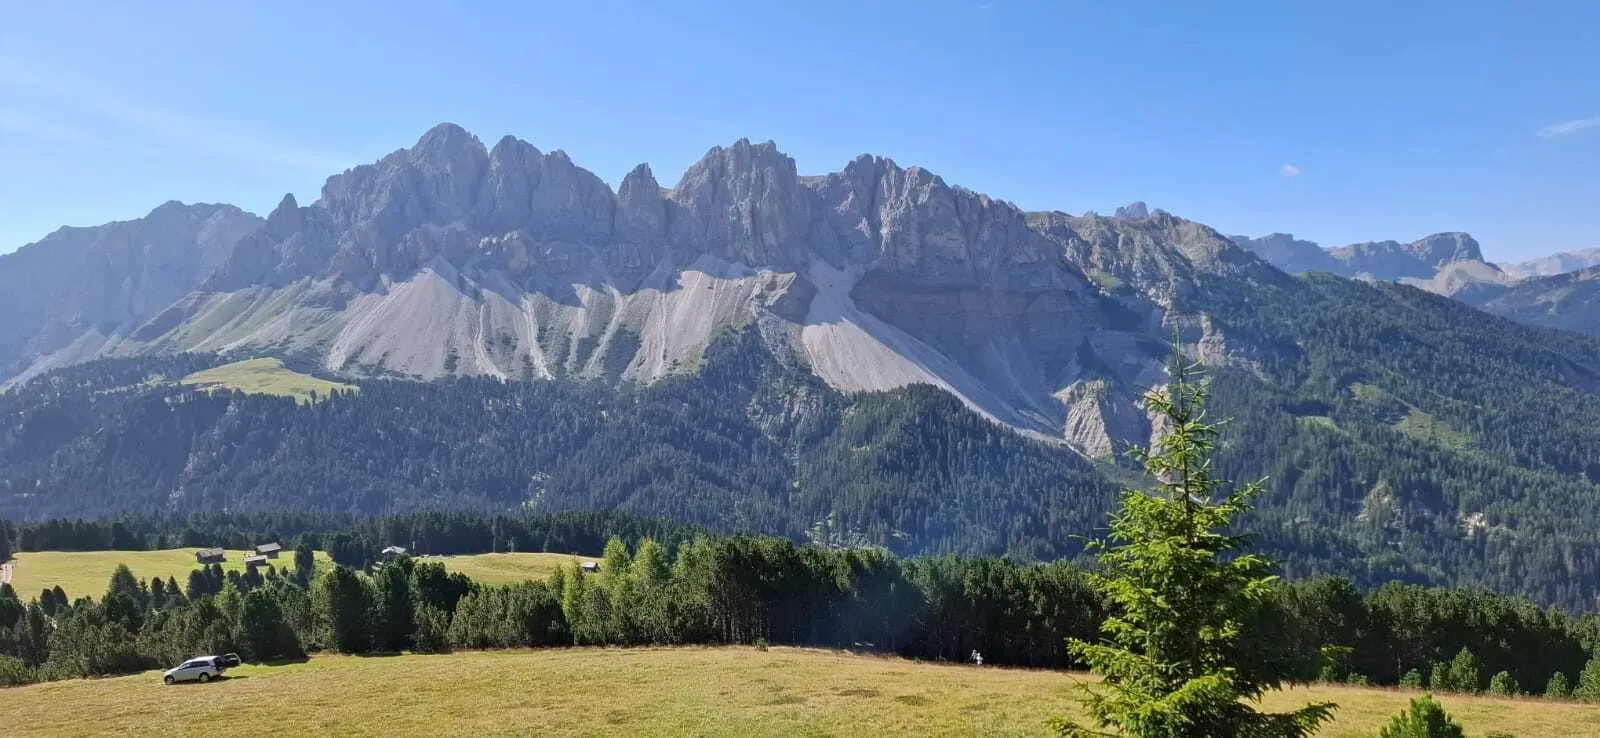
(77, 290)
(453, 258)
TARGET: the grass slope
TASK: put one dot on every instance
(264, 377)
(88, 572)
(653, 692)
(507, 568)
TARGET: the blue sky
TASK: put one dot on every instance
(1338, 122)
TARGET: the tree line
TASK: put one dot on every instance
(350, 540)
(752, 590)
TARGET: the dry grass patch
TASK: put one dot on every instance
(652, 692)
(507, 568)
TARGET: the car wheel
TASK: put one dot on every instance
(204, 677)
(168, 679)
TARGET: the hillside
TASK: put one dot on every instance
(577, 692)
(1568, 301)
(1401, 435)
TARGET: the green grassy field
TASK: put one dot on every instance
(506, 568)
(264, 377)
(88, 572)
(652, 692)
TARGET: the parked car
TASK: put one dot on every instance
(202, 669)
(229, 660)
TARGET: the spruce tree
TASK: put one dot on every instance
(1588, 687)
(1465, 673)
(1425, 718)
(344, 603)
(1502, 683)
(1440, 678)
(1412, 680)
(394, 612)
(1176, 656)
(1557, 688)
(305, 563)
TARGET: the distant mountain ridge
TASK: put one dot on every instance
(67, 296)
(1389, 261)
(1451, 264)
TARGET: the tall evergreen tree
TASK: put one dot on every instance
(1557, 688)
(1176, 658)
(344, 602)
(305, 563)
(1588, 686)
(1502, 683)
(394, 614)
(1466, 675)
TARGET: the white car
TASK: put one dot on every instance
(201, 669)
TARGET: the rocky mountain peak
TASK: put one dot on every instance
(445, 139)
(1443, 248)
(743, 203)
(641, 206)
(1136, 210)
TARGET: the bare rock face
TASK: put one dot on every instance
(743, 203)
(1102, 419)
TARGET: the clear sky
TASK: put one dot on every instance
(1338, 122)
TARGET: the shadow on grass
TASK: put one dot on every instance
(198, 683)
(284, 662)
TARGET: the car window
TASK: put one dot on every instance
(190, 664)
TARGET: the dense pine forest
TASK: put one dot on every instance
(689, 588)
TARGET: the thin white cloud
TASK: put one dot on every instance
(1290, 170)
(172, 127)
(1568, 127)
(43, 129)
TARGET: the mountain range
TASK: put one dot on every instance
(751, 349)
(453, 258)
(1544, 291)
